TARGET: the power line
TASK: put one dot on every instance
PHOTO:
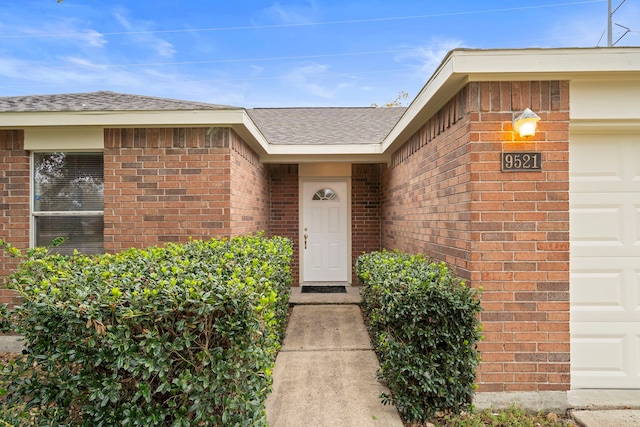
(223, 61)
(214, 80)
(220, 61)
(307, 24)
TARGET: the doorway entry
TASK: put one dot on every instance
(324, 230)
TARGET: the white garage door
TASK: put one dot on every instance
(605, 260)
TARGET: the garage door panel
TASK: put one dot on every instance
(601, 359)
(605, 289)
(593, 160)
(608, 234)
(605, 224)
(605, 163)
(604, 208)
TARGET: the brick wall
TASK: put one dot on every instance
(249, 190)
(427, 190)
(165, 185)
(505, 231)
(161, 185)
(365, 210)
(284, 210)
(14, 201)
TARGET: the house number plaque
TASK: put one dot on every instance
(521, 162)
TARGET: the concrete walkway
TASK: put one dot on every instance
(325, 373)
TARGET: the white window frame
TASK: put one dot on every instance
(33, 214)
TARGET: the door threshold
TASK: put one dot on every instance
(346, 284)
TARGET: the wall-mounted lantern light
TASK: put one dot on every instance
(526, 123)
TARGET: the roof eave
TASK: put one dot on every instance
(461, 66)
(300, 153)
(237, 119)
(122, 118)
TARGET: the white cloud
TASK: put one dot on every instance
(300, 13)
(312, 79)
(256, 70)
(426, 59)
(93, 38)
(58, 33)
(119, 14)
(146, 40)
(78, 62)
(164, 48)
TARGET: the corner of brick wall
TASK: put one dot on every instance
(520, 234)
(446, 196)
(250, 195)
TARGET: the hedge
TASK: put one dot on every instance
(424, 327)
(180, 335)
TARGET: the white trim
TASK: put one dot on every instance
(326, 149)
(33, 213)
(320, 158)
(119, 119)
(67, 213)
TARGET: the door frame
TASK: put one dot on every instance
(306, 179)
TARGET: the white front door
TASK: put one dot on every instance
(324, 242)
(605, 260)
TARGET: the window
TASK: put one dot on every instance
(69, 201)
(325, 194)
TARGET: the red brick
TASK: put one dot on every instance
(519, 234)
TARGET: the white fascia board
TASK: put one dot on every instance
(326, 149)
(124, 118)
(548, 63)
(324, 158)
(295, 153)
(461, 66)
(250, 133)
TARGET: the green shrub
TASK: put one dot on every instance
(180, 335)
(424, 327)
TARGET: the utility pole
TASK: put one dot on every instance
(609, 27)
(610, 13)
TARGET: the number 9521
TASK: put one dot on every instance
(521, 162)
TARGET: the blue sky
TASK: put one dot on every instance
(266, 53)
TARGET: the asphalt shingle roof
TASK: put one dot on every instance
(280, 126)
(325, 126)
(99, 101)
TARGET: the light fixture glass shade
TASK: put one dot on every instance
(526, 123)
